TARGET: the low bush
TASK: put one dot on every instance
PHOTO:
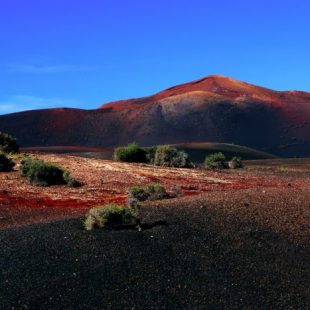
(216, 161)
(162, 155)
(25, 166)
(70, 180)
(8, 143)
(150, 154)
(171, 157)
(42, 173)
(130, 153)
(109, 217)
(235, 163)
(148, 192)
(6, 164)
(115, 216)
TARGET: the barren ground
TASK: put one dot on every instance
(234, 240)
(107, 181)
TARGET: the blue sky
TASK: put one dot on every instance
(82, 53)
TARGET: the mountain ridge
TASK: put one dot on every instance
(211, 109)
(217, 85)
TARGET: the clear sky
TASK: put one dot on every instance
(82, 53)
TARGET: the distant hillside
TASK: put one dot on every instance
(213, 109)
(199, 151)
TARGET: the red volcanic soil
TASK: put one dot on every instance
(212, 85)
(107, 181)
(217, 86)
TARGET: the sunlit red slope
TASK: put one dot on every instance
(224, 88)
(212, 109)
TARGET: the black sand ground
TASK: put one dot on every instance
(190, 263)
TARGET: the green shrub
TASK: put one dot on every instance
(130, 153)
(41, 173)
(70, 180)
(171, 157)
(150, 154)
(109, 217)
(8, 144)
(148, 192)
(25, 166)
(216, 161)
(6, 164)
(235, 163)
(134, 205)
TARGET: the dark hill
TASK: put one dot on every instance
(213, 109)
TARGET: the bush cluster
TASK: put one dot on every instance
(109, 217)
(130, 153)
(218, 161)
(42, 173)
(171, 157)
(148, 192)
(162, 155)
(6, 164)
(115, 216)
(168, 156)
(150, 154)
(235, 163)
(8, 144)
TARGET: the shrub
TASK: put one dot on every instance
(171, 157)
(8, 144)
(109, 216)
(150, 154)
(235, 163)
(6, 164)
(130, 153)
(148, 192)
(25, 166)
(41, 173)
(70, 180)
(216, 161)
(134, 205)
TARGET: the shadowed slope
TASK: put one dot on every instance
(236, 251)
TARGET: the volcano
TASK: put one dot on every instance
(212, 109)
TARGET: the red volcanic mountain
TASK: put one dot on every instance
(214, 109)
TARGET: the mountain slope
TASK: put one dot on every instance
(213, 109)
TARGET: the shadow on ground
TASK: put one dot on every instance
(205, 258)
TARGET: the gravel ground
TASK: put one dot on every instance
(248, 249)
(107, 181)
